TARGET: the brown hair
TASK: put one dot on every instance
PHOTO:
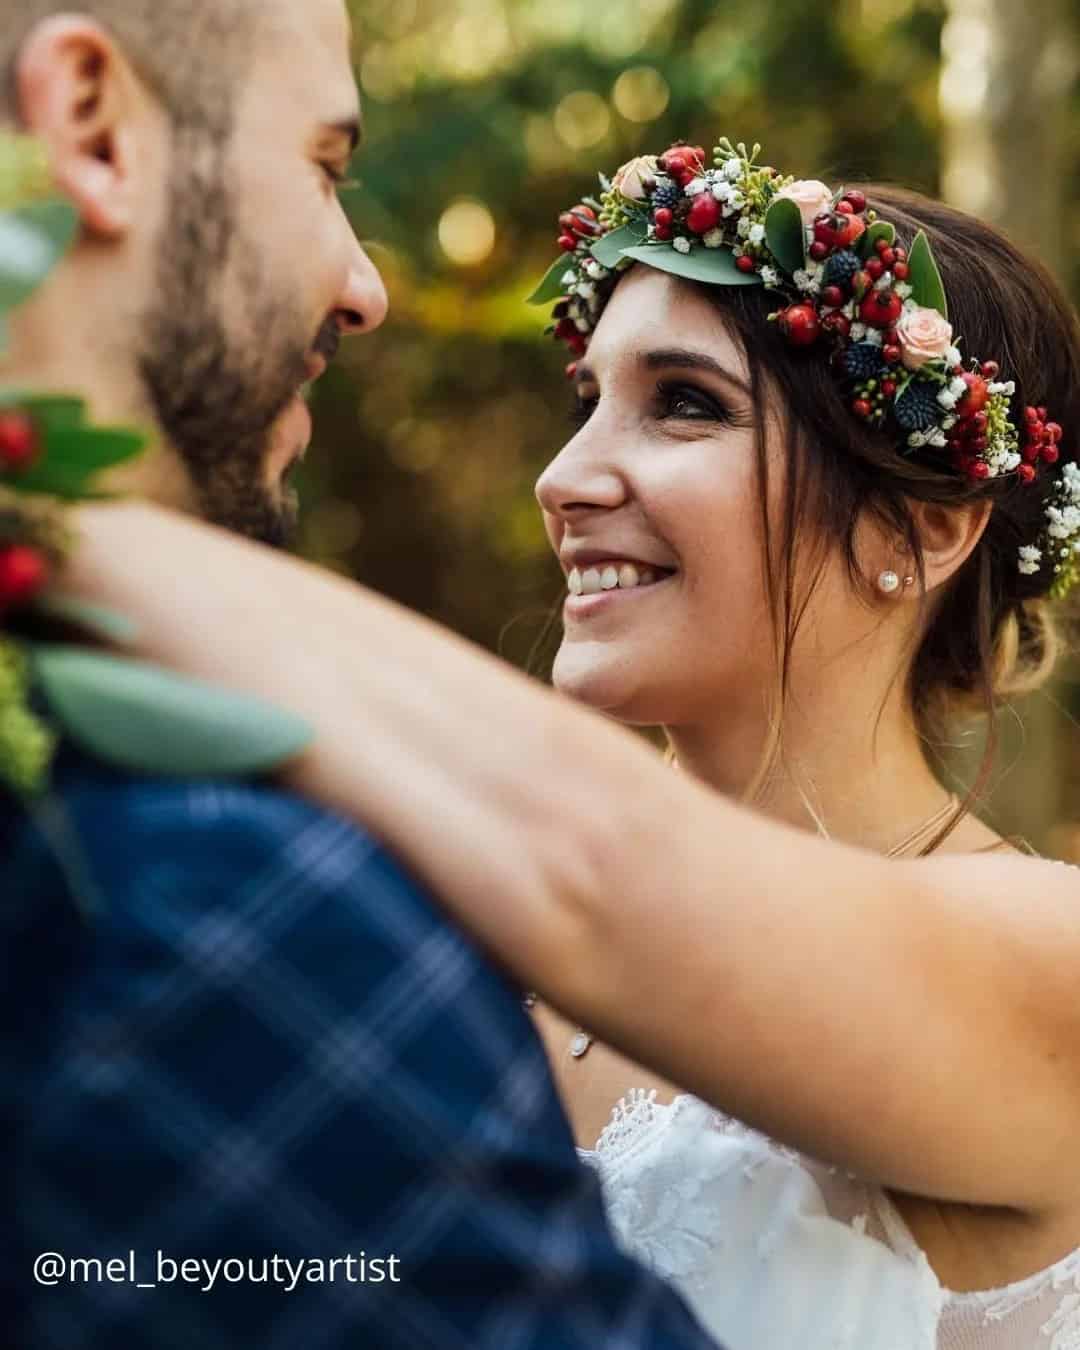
(191, 54)
(988, 633)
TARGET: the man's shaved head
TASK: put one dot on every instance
(191, 54)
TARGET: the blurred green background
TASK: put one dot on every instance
(486, 118)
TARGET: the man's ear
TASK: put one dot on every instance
(948, 535)
(75, 93)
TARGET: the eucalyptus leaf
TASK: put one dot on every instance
(97, 619)
(881, 229)
(551, 288)
(33, 239)
(151, 721)
(714, 266)
(609, 248)
(47, 410)
(786, 235)
(925, 279)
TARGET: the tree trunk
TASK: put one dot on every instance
(1007, 68)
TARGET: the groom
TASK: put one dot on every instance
(265, 1095)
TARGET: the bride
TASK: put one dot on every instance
(834, 1012)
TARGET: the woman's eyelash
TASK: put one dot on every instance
(671, 396)
(582, 410)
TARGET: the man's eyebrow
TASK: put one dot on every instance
(665, 357)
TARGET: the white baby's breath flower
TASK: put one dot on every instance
(903, 289)
(714, 239)
(736, 201)
(757, 234)
(858, 332)
(883, 283)
(681, 244)
(953, 357)
(1006, 388)
(744, 227)
(696, 187)
(733, 169)
(947, 399)
(582, 325)
(1030, 557)
(875, 337)
(917, 439)
(586, 290)
(910, 306)
(722, 190)
(1011, 462)
(770, 276)
(569, 277)
(937, 437)
(957, 387)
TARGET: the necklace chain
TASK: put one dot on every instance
(583, 1040)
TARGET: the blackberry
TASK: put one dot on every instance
(917, 408)
(668, 194)
(863, 361)
(841, 268)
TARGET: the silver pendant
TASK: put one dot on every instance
(580, 1044)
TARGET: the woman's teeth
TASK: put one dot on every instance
(614, 576)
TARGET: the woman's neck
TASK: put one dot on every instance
(864, 784)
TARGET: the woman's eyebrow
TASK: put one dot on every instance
(664, 357)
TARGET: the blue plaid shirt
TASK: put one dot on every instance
(263, 1045)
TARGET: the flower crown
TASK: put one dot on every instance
(844, 281)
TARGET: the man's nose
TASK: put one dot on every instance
(363, 302)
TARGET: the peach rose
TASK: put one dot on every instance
(925, 335)
(631, 179)
(810, 195)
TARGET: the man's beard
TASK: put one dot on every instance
(217, 398)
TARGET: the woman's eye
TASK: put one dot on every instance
(690, 404)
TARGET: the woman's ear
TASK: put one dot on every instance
(948, 535)
(76, 94)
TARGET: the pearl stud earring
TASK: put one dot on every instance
(888, 582)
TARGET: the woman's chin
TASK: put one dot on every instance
(603, 685)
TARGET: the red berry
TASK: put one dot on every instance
(881, 309)
(980, 421)
(875, 269)
(901, 253)
(1032, 415)
(892, 354)
(1041, 410)
(980, 469)
(800, 325)
(18, 442)
(23, 572)
(674, 162)
(887, 256)
(1050, 453)
(832, 296)
(888, 388)
(857, 200)
(845, 208)
(663, 216)
(819, 251)
(566, 243)
(745, 263)
(882, 246)
(1025, 473)
(980, 443)
(664, 231)
(977, 396)
(1054, 431)
(901, 271)
(990, 369)
(1030, 453)
(571, 370)
(704, 214)
(837, 323)
(862, 408)
(577, 344)
(838, 230)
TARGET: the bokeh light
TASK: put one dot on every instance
(467, 232)
(641, 94)
(582, 119)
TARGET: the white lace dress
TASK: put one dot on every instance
(774, 1251)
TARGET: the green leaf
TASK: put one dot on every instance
(551, 288)
(73, 455)
(925, 279)
(881, 229)
(96, 619)
(46, 409)
(714, 266)
(148, 720)
(609, 249)
(33, 239)
(785, 234)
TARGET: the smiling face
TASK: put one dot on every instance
(259, 273)
(663, 478)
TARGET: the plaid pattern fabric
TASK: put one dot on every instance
(262, 1041)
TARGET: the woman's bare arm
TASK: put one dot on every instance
(914, 1021)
